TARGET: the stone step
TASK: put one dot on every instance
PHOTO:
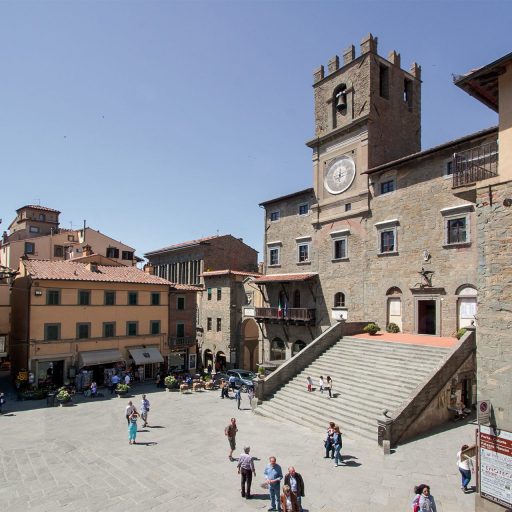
(389, 345)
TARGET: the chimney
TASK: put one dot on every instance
(87, 250)
(149, 269)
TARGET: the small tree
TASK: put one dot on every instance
(392, 327)
(371, 328)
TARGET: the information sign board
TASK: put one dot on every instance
(496, 465)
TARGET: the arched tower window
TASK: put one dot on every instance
(339, 300)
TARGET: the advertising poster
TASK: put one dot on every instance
(496, 465)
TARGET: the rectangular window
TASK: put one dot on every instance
(127, 255)
(275, 216)
(71, 238)
(83, 331)
(51, 332)
(219, 293)
(302, 253)
(34, 229)
(208, 324)
(180, 330)
(384, 81)
(456, 231)
(303, 209)
(132, 298)
(30, 248)
(58, 251)
(155, 299)
(109, 329)
(340, 248)
(387, 241)
(448, 170)
(53, 297)
(219, 324)
(154, 326)
(110, 298)
(209, 293)
(348, 207)
(387, 186)
(180, 303)
(273, 256)
(131, 328)
(112, 252)
(84, 297)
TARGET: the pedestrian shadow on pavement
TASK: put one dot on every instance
(142, 430)
(336, 395)
(155, 426)
(265, 497)
(8, 414)
(148, 443)
(350, 460)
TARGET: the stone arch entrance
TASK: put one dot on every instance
(394, 306)
(220, 361)
(250, 337)
(208, 358)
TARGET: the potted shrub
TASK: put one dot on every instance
(171, 382)
(392, 327)
(460, 333)
(122, 389)
(372, 329)
(63, 397)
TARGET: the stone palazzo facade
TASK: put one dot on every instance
(388, 232)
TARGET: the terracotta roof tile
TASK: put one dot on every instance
(38, 207)
(212, 273)
(74, 271)
(285, 278)
(186, 287)
(182, 245)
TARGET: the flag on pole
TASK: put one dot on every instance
(279, 309)
(285, 311)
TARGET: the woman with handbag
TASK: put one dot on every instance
(423, 501)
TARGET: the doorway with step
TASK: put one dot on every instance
(427, 310)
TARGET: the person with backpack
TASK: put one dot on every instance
(423, 501)
(328, 444)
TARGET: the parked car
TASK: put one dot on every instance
(217, 377)
(243, 378)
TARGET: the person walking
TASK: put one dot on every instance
(273, 475)
(465, 465)
(127, 379)
(337, 444)
(296, 483)
(232, 382)
(250, 395)
(114, 381)
(144, 410)
(129, 409)
(132, 427)
(309, 382)
(321, 384)
(94, 389)
(328, 386)
(246, 470)
(238, 398)
(289, 500)
(230, 432)
(423, 501)
(2, 402)
(328, 444)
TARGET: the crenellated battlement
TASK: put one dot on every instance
(368, 44)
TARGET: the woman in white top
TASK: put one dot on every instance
(321, 384)
(465, 467)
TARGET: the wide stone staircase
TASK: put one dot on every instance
(368, 377)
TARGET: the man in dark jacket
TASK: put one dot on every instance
(296, 483)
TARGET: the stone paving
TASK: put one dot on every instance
(78, 458)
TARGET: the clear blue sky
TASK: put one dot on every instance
(165, 121)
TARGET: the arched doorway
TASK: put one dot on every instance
(466, 306)
(277, 350)
(220, 362)
(394, 306)
(298, 346)
(208, 358)
(250, 337)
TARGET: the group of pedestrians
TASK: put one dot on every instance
(293, 489)
(333, 443)
(132, 416)
(322, 384)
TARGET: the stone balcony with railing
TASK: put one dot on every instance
(303, 316)
(182, 342)
(475, 164)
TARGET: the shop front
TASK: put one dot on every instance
(178, 361)
(48, 372)
(99, 366)
(147, 361)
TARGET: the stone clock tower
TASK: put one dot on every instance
(367, 113)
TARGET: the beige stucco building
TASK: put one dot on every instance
(69, 315)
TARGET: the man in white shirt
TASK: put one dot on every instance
(127, 379)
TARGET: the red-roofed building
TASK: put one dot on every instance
(69, 316)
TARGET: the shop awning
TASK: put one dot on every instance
(146, 355)
(93, 357)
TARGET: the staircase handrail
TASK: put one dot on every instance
(392, 428)
(267, 386)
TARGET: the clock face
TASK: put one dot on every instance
(340, 174)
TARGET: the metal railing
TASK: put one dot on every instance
(295, 314)
(185, 341)
(475, 164)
